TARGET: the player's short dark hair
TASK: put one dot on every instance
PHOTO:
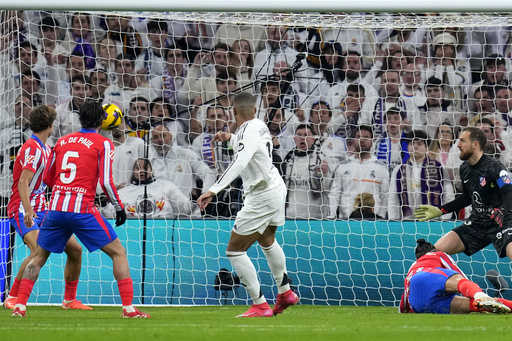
(31, 73)
(91, 114)
(49, 22)
(476, 134)
(363, 127)
(423, 248)
(41, 118)
(221, 46)
(486, 89)
(244, 102)
(433, 81)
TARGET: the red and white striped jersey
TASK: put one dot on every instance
(33, 155)
(78, 161)
(430, 260)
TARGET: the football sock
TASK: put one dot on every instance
(126, 291)
(25, 290)
(70, 291)
(468, 288)
(247, 273)
(277, 264)
(15, 287)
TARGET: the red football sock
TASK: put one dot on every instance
(15, 287)
(468, 288)
(126, 290)
(25, 290)
(70, 291)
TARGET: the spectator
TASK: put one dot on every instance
(362, 173)
(181, 166)
(501, 152)
(242, 57)
(282, 139)
(60, 76)
(420, 180)
(483, 102)
(164, 200)
(453, 72)
(332, 146)
(128, 149)
(99, 83)
(276, 50)
(125, 87)
(151, 62)
(31, 87)
(162, 113)
(391, 146)
(138, 117)
(494, 73)
(67, 121)
(173, 77)
(228, 33)
(442, 144)
(437, 108)
(503, 103)
(106, 53)
(348, 116)
(307, 175)
(81, 36)
(364, 207)
(120, 30)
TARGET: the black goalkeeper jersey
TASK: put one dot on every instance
(486, 185)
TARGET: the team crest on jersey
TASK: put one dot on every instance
(482, 181)
(160, 204)
(505, 177)
(240, 147)
(31, 159)
(111, 154)
(179, 168)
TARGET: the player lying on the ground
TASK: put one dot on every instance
(27, 205)
(433, 285)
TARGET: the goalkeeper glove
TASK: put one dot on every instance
(497, 215)
(427, 212)
(120, 217)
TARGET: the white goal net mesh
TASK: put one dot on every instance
(365, 110)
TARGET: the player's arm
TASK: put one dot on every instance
(505, 185)
(49, 172)
(106, 181)
(24, 190)
(427, 212)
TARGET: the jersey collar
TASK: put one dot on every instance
(38, 140)
(84, 130)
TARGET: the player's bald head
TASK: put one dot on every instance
(244, 104)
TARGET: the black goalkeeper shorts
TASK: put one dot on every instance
(475, 238)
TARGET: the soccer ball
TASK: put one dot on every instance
(112, 117)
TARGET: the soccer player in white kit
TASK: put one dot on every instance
(263, 210)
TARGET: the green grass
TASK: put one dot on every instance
(301, 323)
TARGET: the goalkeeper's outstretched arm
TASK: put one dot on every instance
(427, 212)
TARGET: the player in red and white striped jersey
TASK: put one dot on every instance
(27, 206)
(434, 281)
(79, 160)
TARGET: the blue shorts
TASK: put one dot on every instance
(427, 293)
(19, 224)
(91, 228)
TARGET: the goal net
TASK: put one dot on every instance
(364, 109)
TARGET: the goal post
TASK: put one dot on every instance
(173, 74)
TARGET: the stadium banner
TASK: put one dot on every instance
(329, 262)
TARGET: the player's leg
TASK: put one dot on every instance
(237, 254)
(30, 276)
(72, 271)
(477, 299)
(277, 263)
(450, 243)
(29, 236)
(117, 253)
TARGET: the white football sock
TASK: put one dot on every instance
(277, 264)
(129, 308)
(247, 273)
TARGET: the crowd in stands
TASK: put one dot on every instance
(357, 115)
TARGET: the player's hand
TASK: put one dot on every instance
(204, 200)
(497, 215)
(427, 212)
(222, 136)
(120, 217)
(28, 218)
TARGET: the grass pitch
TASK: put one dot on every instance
(300, 323)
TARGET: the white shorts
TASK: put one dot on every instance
(261, 210)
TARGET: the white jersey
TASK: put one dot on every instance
(125, 157)
(253, 160)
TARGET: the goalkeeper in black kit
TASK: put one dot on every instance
(488, 188)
